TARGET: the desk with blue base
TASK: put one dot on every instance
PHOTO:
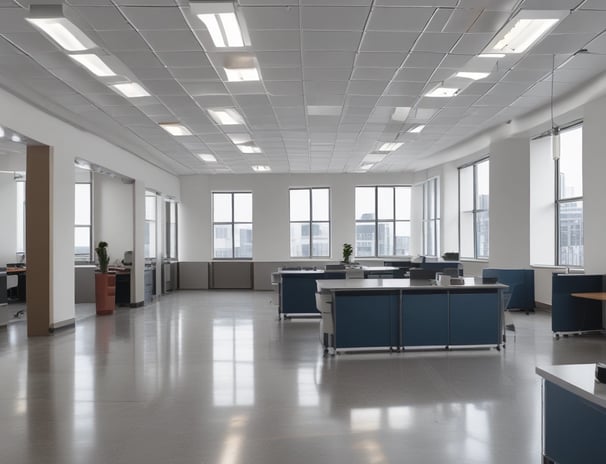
(297, 288)
(399, 313)
(574, 415)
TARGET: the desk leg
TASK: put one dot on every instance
(546, 460)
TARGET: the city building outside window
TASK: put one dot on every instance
(473, 210)
(232, 225)
(569, 200)
(309, 222)
(382, 221)
(431, 218)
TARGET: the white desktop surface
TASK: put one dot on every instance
(578, 379)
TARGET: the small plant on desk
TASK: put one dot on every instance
(347, 252)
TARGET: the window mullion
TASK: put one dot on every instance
(311, 212)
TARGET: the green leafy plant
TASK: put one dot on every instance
(102, 256)
(347, 252)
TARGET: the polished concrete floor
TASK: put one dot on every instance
(215, 378)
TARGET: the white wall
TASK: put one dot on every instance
(270, 209)
(113, 215)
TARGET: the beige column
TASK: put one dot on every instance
(38, 239)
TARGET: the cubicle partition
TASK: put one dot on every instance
(521, 286)
(572, 313)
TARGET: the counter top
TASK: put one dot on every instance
(398, 284)
(578, 379)
(322, 271)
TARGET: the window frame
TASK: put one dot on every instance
(169, 239)
(562, 201)
(89, 258)
(152, 224)
(310, 222)
(431, 186)
(377, 220)
(232, 224)
(475, 211)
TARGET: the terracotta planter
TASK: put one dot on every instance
(105, 293)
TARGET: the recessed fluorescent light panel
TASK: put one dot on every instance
(50, 20)
(131, 90)
(324, 110)
(225, 28)
(242, 74)
(15, 138)
(366, 167)
(208, 158)
(373, 158)
(524, 30)
(1, 132)
(491, 55)
(226, 116)
(475, 76)
(417, 129)
(400, 113)
(261, 168)
(94, 64)
(391, 146)
(249, 148)
(173, 128)
(442, 92)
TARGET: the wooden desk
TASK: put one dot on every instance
(599, 296)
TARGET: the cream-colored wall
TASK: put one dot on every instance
(270, 209)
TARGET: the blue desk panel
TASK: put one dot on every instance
(475, 318)
(365, 320)
(570, 314)
(574, 428)
(521, 286)
(298, 292)
(425, 319)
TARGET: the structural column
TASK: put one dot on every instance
(138, 269)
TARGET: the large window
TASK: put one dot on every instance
(473, 210)
(382, 221)
(150, 224)
(83, 216)
(232, 225)
(171, 229)
(20, 217)
(569, 201)
(309, 222)
(431, 218)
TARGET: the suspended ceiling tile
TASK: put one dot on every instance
(275, 40)
(269, 17)
(351, 18)
(127, 40)
(171, 41)
(379, 60)
(155, 18)
(399, 19)
(102, 18)
(378, 41)
(331, 40)
(437, 42)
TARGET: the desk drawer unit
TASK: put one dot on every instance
(425, 319)
(370, 320)
(475, 318)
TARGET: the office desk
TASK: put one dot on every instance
(21, 273)
(297, 288)
(599, 296)
(400, 313)
(574, 414)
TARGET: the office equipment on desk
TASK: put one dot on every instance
(572, 313)
(422, 274)
(574, 414)
(401, 313)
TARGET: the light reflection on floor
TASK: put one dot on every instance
(215, 378)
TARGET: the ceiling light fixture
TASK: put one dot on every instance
(416, 129)
(391, 146)
(400, 113)
(131, 90)
(1, 132)
(94, 64)
(261, 168)
(222, 22)
(524, 30)
(491, 55)
(242, 74)
(366, 167)
(226, 116)
(207, 157)
(15, 138)
(176, 129)
(373, 158)
(475, 76)
(50, 20)
(442, 92)
(248, 148)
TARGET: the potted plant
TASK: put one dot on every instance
(105, 283)
(347, 252)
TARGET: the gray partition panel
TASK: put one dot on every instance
(85, 284)
(232, 274)
(193, 275)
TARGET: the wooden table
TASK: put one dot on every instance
(600, 296)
